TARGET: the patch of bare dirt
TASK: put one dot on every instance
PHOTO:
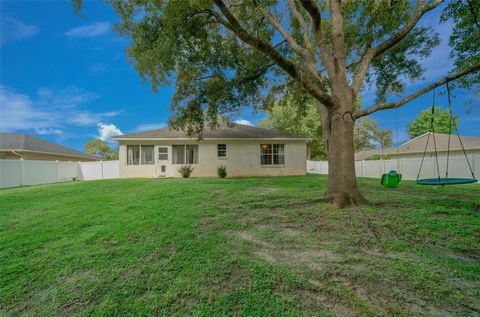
(314, 259)
(251, 238)
(284, 231)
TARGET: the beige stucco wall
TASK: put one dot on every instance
(41, 156)
(243, 159)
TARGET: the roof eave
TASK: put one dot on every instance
(214, 139)
(52, 153)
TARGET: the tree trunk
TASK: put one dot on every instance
(342, 185)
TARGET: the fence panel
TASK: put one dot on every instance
(111, 169)
(10, 173)
(408, 167)
(99, 170)
(67, 171)
(15, 173)
(39, 172)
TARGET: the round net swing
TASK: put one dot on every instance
(444, 180)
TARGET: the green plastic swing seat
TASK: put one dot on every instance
(445, 181)
(391, 179)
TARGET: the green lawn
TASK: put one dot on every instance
(256, 246)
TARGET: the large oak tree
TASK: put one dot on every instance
(223, 55)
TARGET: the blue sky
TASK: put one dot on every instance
(67, 79)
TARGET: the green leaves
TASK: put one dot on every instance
(101, 149)
(465, 38)
(287, 115)
(422, 124)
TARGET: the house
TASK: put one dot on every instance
(415, 147)
(243, 149)
(17, 146)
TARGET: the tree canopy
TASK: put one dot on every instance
(101, 149)
(284, 115)
(225, 55)
(441, 120)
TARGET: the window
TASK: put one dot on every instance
(163, 154)
(185, 154)
(192, 154)
(221, 150)
(178, 154)
(272, 154)
(140, 154)
(147, 154)
(133, 154)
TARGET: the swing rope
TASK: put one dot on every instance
(446, 180)
(458, 135)
(396, 137)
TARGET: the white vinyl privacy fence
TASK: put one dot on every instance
(15, 173)
(408, 167)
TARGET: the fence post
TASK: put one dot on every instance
(22, 172)
(379, 168)
(362, 167)
(101, 166)
(473, 166)
(56, 171)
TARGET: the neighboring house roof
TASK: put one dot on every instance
(417, 145)
(26, 143)
(234, 131)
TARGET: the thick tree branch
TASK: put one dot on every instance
(373, 52)
(390, 105)
(303, 24)
(301, 51)
(308, 83)
(320, 36)
(338, 42)
(306, 54)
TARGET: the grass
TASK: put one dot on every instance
(256, 246)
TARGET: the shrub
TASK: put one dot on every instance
(186, 170)
(222, 171)
(378, 157)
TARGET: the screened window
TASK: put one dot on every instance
(133, 154)
(185, 154)
(178, 154)
(272, 154)
(147, 154)
(221, 150)
(192, 154)
(162, 153)
(140, 154)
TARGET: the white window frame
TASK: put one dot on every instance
(185, 154)
(162, 153)
(140, 154)
(222, 157)
(272, 155)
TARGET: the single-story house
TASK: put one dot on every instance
(15, 146)
(243, 149)
(415, 147)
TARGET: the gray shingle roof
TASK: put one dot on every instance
(417, 145)
(25, 142)
(236, 131)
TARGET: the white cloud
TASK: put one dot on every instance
(244, 122)
(106, 131)
(13, 29)
(18, 112)
(98, 68)
(48, 131)
(49, 111)
(150, 126)
(92, 30)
